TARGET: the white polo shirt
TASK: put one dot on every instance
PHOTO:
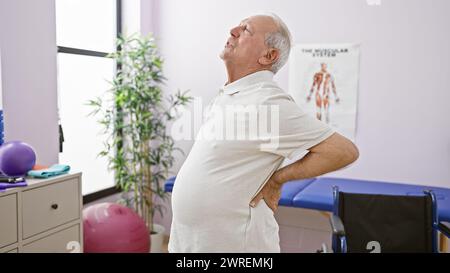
(221, 175)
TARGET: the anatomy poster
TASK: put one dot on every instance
(323, 80)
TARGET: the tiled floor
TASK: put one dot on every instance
(285, 249)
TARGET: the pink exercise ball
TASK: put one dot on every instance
(110, 227)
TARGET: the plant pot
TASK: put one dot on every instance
(157, 239)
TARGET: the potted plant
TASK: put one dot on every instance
(134, 115)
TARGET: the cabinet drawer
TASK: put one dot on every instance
(8, 219)
(49, 206)
(56, 242)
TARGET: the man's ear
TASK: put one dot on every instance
(270, 57)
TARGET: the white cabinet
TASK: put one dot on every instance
(8, 219)
(45, 216)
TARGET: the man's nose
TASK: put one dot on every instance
(235, 32)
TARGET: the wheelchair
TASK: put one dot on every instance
(375, 223)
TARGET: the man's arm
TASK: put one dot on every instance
(330, 155)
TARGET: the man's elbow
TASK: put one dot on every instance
(351, 153)
(340, 150)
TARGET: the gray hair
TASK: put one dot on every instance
(281, 40)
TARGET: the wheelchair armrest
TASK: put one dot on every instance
(444, 228)
(337, 226)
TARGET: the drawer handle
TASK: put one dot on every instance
(54, 206)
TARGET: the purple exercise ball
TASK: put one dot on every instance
(16, 158)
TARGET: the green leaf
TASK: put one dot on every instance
(138, 149)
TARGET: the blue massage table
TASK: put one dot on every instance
(317, 193)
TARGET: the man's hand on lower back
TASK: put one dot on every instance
(270, 193)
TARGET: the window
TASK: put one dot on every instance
(86, 32)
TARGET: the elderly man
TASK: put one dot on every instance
(227, 190)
